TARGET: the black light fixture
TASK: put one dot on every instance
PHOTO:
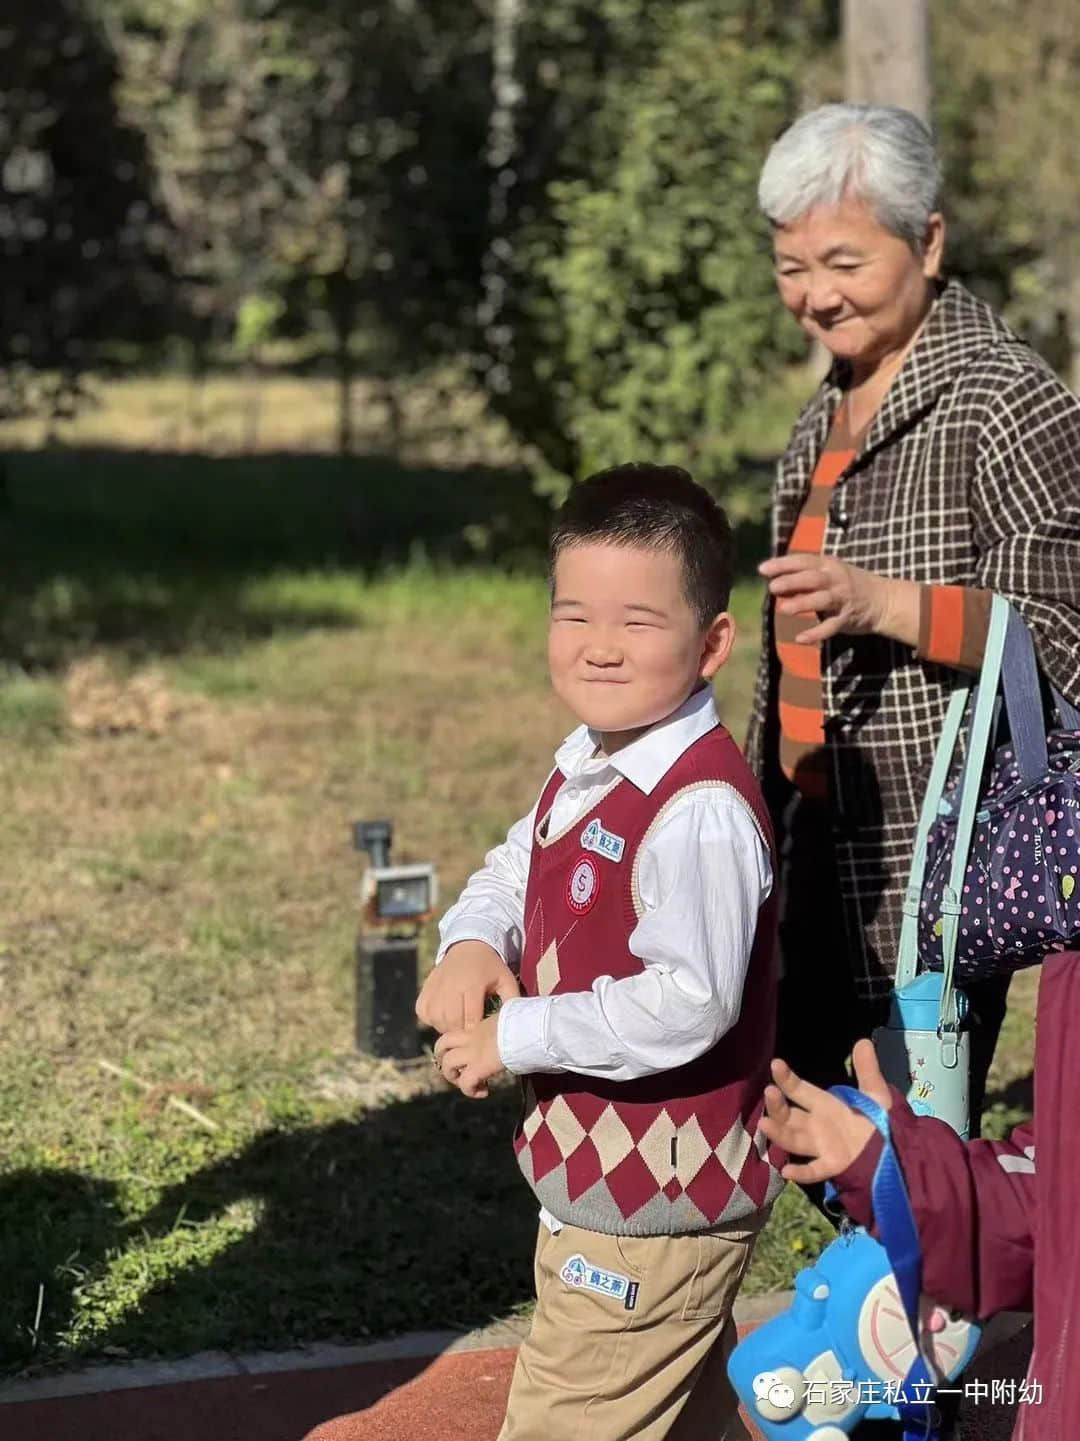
(396, 902)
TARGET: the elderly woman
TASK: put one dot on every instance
(937, 462)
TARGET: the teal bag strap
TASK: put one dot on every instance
(907, 964)
(982, 723)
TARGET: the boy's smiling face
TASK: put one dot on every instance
(625, 647)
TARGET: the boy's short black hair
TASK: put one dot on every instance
(658, 507)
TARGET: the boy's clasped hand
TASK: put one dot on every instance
(452, 1002)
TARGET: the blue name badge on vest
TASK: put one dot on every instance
(604, 843)
(583, 1275)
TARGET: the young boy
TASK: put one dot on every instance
(635, 905)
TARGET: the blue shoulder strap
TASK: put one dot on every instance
(900, 1237)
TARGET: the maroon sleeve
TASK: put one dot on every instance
(974, 1204)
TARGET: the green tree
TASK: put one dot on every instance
(322, 159)
(662, 283)
(82, 242)
(1006, 109)
(207, 86)
(387, 125)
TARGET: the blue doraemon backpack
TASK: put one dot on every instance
(859, 1341)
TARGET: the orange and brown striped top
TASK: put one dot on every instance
(953, 622)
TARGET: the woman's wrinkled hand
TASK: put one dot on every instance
(847, 599)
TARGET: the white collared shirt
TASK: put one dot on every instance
(702, 877)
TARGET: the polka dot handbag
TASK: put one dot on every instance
(1001, 883)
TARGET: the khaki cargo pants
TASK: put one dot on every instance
(630, 1338)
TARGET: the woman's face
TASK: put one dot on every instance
(855, 286)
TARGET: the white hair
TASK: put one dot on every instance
(878, 154)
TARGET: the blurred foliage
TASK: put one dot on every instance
(633, 224)
(324, 156)
(664, 280)
(81, 240)
(235, 173)
(1006, 85)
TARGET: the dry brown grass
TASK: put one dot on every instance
(185, 894)
(435, 420)
(101, 702)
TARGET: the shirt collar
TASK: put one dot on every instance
(646, 761)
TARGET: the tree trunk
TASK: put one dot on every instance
(395, 418)
(196, 408)
(887, 53)
(341, 306)
(1072, 327)
(252, 404)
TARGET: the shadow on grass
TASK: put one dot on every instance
(413, 1217)
(153, 553)
(1015, 1101)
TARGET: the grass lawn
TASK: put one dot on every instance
(178, 898)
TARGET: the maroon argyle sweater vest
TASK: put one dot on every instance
(666, 1154)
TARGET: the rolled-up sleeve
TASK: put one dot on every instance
(953, 624)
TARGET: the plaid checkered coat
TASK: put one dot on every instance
(968, 475)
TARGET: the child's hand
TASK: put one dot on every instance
(818, 1125)
(470, 1058)
(455, 993)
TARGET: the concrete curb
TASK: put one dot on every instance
(213, 1365)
